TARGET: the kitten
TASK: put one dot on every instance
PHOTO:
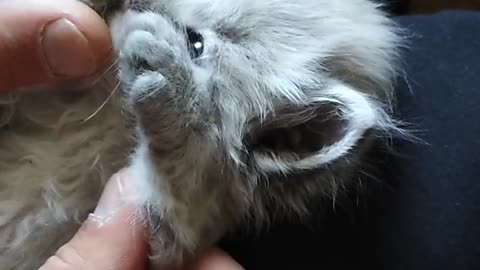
(227, 111)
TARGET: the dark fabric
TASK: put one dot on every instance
(423, 209)
(397, 7)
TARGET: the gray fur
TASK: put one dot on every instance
(276, 112)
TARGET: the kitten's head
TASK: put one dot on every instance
(261, 87)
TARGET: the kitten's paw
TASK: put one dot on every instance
(143, 51)
(148, 66)
(146, 86)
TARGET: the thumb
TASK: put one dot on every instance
(110, 238)
(215, 259)
(49, 41)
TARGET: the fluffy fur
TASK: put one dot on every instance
(277, 110)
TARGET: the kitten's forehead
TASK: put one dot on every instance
(208, 12)
(236, 14)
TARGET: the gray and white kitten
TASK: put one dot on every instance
(228, 111)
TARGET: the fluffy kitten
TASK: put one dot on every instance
(228, 111)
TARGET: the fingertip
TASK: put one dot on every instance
(216, 259)
(95, 30)
(113, 237)
(76, 44)
(119, 245)
(50, 41)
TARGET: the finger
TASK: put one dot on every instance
(216, 259)
(49, 41)
(111, 238)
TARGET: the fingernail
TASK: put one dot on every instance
(67, 51)
(112, 199)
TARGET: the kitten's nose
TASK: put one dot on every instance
(135, 5)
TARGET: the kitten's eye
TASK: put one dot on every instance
(195, 43)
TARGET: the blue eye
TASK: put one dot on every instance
(195, 43)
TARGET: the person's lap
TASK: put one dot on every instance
(424, 213)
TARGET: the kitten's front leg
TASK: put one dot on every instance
(170, 117)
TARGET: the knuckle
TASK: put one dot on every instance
(55, 263)
(66, 258)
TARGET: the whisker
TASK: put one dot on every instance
(110, 68)
(103, 104)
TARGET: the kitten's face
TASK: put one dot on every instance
(241, 104)
(271, 86)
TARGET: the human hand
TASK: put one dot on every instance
(110, 239)
(49, 41)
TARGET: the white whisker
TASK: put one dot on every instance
(101, 76)
(103, 104)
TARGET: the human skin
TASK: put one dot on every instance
(49, 42)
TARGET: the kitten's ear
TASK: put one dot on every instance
(305, 137)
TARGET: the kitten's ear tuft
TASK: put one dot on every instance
(305, 137)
